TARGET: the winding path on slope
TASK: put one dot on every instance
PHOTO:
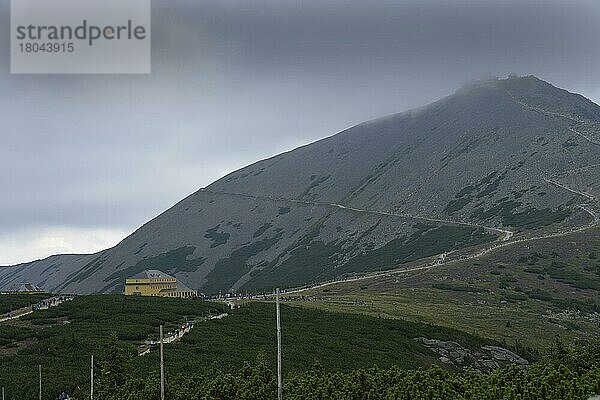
(506, 240)
(560, 185)
(428, 266)
(555, 114)
(507, 233)
(41, 305)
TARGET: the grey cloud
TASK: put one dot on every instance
(235, 81)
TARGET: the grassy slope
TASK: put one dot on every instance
(521, 292)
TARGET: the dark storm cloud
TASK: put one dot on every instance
(432, 40)
(235, 81)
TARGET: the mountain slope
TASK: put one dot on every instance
(514, 154)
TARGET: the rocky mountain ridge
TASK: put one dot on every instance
(514, 156)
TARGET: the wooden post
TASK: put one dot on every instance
(162, 367)
(3, 393)
(92, 379)
(279, 379)
(40, 370)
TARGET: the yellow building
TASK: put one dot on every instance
(158, 284)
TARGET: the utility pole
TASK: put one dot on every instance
(40, 370)
(162, 367)
(92, 379)
(279, 380)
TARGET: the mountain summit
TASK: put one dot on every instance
(496, 160)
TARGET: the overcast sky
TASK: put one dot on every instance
(85, 160)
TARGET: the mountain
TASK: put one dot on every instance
(496, 160)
